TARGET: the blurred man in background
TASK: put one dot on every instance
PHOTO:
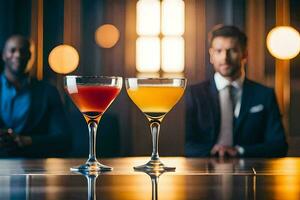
(32, 119)
(230, 115)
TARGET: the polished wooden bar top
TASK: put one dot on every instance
(193, 179)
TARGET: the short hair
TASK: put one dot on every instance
(22, 38)
(228, 31)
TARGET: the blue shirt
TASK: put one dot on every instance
(14, 104)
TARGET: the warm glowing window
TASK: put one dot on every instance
(148, 54)
(160, 45)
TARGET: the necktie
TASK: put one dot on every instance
(226, 128)
(232, 92)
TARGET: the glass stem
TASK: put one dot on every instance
(155, 127)
(92, 137)
(92, 187)
(154, 181)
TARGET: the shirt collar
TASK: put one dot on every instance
(222, 82)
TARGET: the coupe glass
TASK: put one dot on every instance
(155, 97)
(92, 95)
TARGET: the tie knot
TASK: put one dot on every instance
(230, 87)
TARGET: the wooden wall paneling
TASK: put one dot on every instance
(195, 40)
(113, 58)
(255, 29)
(71, 32)
(295, 77)
(72, 23)
(37, 31)
(92, 13)
(282, 67)
(130, 38)
(201, 40)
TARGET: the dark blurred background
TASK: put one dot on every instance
(124, 130)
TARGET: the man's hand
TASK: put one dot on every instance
(7, 140)
(10, 141)
(23, 140)
(222, 151)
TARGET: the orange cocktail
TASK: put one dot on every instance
(155, 100)
(155, 97)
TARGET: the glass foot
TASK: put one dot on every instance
(154, 165)
(91, 167)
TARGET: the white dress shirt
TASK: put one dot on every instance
(222, 83)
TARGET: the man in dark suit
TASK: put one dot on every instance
(230, 115)
(32, 119)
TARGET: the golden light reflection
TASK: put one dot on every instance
(148, 54)
(148, 17)
(173, 54)
(283, 42)
(107, 36)
(139, 187)
(173, 75)
(63, 59)
(172, 17)
(32, 57)
(287, 182)
(147, 75)
(54, 163)
(287, 166)
(172, 187)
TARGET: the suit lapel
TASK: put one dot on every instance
(245, 104)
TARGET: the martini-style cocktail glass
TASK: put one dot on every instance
(155, 97)
(92, 95)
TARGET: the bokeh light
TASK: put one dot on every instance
(107, 35)
(283, 42)
(63, 59)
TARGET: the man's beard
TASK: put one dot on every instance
(233, 72)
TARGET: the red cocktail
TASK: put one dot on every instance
(92, 101)
(92, 95)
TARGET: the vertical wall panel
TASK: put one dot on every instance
(256, 40)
